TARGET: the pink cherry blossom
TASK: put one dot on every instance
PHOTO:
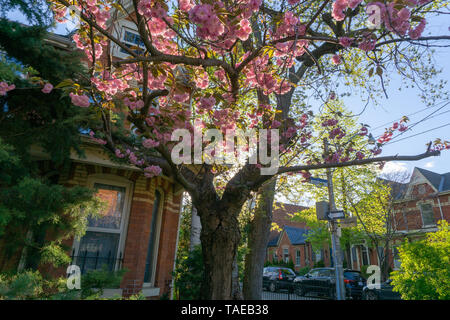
(150, 143)
(336, 59)
(47, 88)
(4, 88)
(80, 100)
(152, 171)
(345, 41)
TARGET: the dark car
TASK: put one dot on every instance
(275, 278)
(384, 292)
(322, 281)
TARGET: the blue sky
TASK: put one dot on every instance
(399, 103)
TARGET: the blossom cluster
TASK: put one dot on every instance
(80, 100)
(4, 88)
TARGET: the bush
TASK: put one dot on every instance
(188, 275)
(319, 264)
(94, 282)
(31, 285)
(364, 272)
(289, 264)
(424, 272)
(303, 271)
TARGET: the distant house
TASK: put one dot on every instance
(418, 206)
(290, 244)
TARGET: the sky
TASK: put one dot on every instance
(399, 103)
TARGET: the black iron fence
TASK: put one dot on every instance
(87, 261)
(192, 291)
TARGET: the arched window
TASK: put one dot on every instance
(104, 240)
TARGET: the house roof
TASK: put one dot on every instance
(432, 177)
(273, 242)
(296, 235)
(282, 215)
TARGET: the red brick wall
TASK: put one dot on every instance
(138, 228)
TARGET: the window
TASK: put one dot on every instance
(426, 210)
(421, 189)
(396, 257)
(287, 272)
(101, 246)
(286, 255)
(152, 249)
(274, 255)
(365, 255)
(297, 257)
(132, 39)
(314, 273)
(325, 273)
(354, 254)
(380, 253)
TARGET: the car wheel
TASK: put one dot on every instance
(272, 287)
(370, 295)
(299, 290)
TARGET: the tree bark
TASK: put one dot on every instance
(196, 229)
(257, 242)
(220, 238)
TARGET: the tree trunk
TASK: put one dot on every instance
(236, 292)
(220, 238)
(257, 242)
(196, 228)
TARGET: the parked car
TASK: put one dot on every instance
(322, 281)
(276, 278)
(384, 292)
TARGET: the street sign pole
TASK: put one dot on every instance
(337, 256)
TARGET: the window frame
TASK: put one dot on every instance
(421, 204)
(286, 255)
(119, 32)
(116, 181)
(365, 248)
(159, 217)
(298, 257)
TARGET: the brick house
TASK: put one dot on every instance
(139, 229)
(290, 243)
(418, 206)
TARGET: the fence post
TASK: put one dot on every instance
(96, 260)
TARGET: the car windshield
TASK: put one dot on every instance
(352, 275)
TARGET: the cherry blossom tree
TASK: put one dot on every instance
(230, 65)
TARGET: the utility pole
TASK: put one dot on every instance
(336, 246)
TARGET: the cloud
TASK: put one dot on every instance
(429, 164)
(394, 167)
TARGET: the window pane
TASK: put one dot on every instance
(364, 255)
(352, 275)
(97, 249)
(427, 214)
(115, 198)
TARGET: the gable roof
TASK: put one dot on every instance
(445, 184)
(273, 242)
(433, 178)
(296, 235)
